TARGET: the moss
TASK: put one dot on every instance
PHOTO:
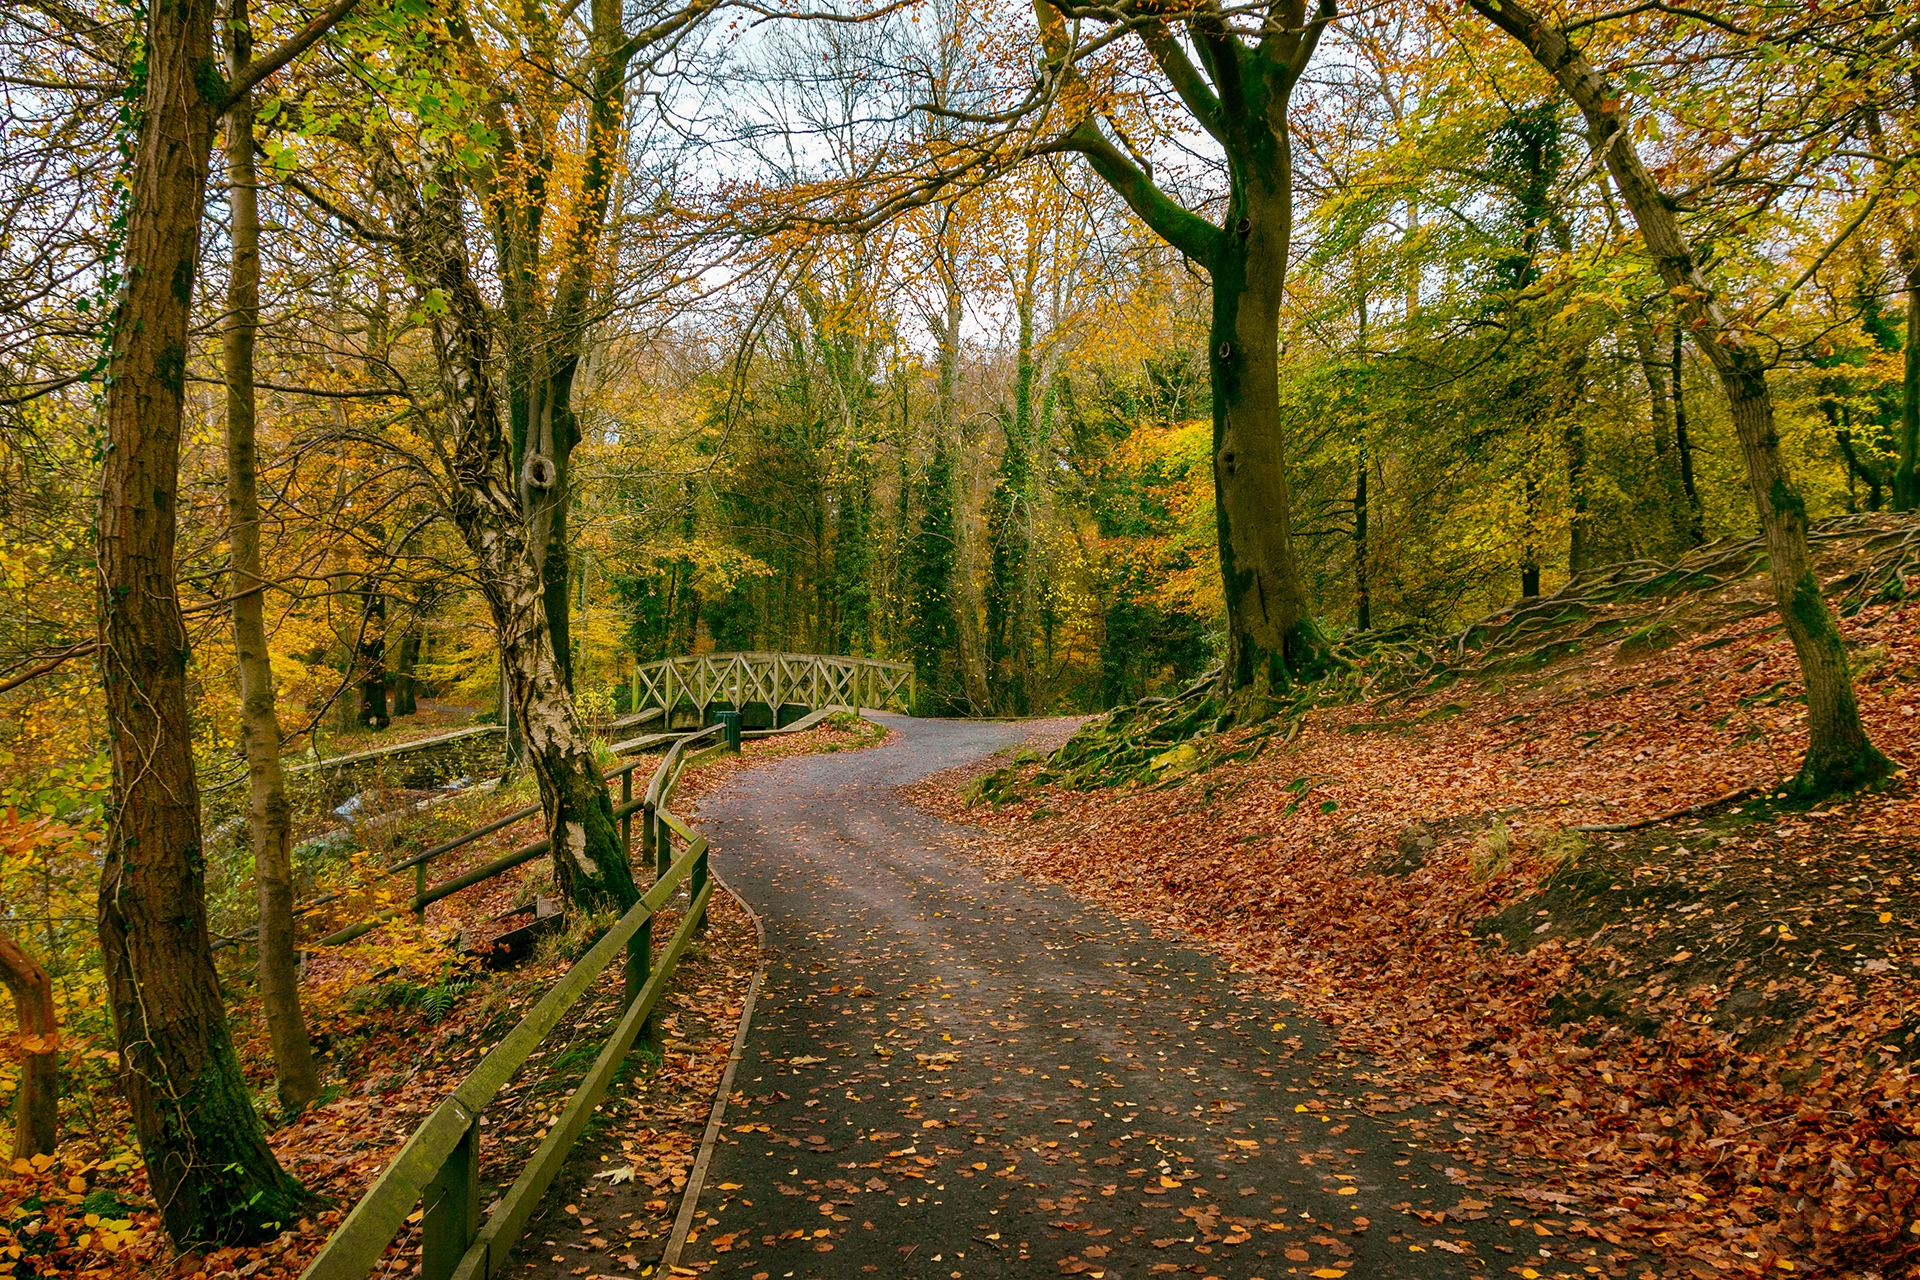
(1786, 500)
(208, 80)
(1648, 641)
(1837, 773)
(1809, 610)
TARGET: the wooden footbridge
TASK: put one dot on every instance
(767, 689)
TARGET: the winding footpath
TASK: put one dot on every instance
(953, 1077)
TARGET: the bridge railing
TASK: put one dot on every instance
(439, 1167)
(773, 679)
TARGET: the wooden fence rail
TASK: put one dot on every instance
(439, 1167)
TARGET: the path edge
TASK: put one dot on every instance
(696, 1179)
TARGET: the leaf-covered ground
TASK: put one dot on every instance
(1695, 1035)
(399, 1023)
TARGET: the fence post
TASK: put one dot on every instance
(695, 883)
(626, 822)
(639, 967)
(646, 833)
(450, 1208)
(662, 846)
(419, 889)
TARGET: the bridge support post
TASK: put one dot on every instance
(450, 1208)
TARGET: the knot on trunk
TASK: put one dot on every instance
(541, 473)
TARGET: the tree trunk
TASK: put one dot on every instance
(405, 690)
(1530, 535)
(1839, 756)
(1856, 466)
(963, 590)
(1573, 436)
(1269, 633)
(1271, 638)
(1666, 459)
(293, 1066)
(212, 1173)
(1579, 537)
(546, 497)
(589, 860)
(1693, 512)
(1906, 479)
(372, 663)
(1362, 589)
(36, 1107)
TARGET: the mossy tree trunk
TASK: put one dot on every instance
(1839, 755)
(268, 812)
(1239, 92)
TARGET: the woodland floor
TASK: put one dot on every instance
(1692, 1040)
(398, 1022)
(1519, 964)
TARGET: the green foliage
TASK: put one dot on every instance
(431, 998)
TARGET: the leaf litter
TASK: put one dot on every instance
(1691, 1038)
(388, 1060)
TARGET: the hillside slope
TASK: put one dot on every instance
(1542, 873)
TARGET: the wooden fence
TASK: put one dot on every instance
(439, 1167)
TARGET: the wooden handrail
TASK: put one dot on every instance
(439, 1166)
(424, 894)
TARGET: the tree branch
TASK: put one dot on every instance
(259, 69)
(1173, 222)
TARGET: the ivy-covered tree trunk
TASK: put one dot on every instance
(269, 815)
(931, 626)
(1010, 523)
(1839, 756)
(213, 1176)
(962, 589)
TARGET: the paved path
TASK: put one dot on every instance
(950, 1078)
